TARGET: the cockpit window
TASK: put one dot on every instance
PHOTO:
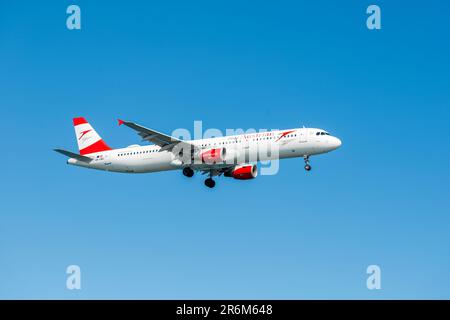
(322, 133)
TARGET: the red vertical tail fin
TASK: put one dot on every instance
(87, 138)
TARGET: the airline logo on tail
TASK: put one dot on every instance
(88, 139)
(83, 133)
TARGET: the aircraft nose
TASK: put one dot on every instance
(336, 143)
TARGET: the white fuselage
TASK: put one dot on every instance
(249, 147)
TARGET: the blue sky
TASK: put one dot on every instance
(380, 199)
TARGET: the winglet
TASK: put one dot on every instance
(121, 122)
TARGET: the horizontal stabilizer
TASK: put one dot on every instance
(74, 155)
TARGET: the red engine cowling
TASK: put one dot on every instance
(213, 156)
(245, 172)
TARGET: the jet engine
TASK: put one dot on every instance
(244, 172)
(213, 156)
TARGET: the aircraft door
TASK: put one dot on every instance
(303, 135)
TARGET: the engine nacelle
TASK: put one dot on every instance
(245, 172)
(213, 156)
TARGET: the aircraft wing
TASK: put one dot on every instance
(165, 141)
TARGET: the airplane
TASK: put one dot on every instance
(231, 156)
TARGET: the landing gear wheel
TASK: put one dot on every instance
(188, 172)
(307, 166)
(210, 183)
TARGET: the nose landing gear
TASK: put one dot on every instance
(307, 165)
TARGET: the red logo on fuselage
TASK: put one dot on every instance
(83, 133)
(284, 134)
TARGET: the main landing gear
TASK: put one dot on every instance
(307, 166)
(210, 183)
(188, 172)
